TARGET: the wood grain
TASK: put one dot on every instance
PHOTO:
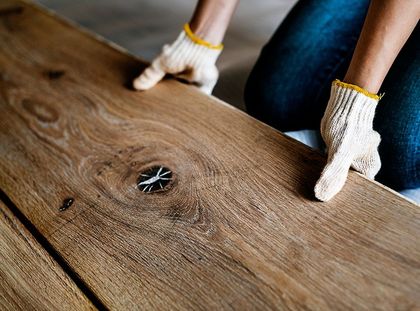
(29, 278)
(236, 228)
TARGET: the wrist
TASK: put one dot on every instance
(211, 33)
(364, 78)
(211, 19)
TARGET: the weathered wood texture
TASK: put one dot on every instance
(237, 227)
(29, 278)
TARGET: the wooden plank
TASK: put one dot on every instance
(237, 227)
(30, 278)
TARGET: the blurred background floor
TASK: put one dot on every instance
(143, 26)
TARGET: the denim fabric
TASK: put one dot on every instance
(289, 85)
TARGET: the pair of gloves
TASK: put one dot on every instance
(346, 127)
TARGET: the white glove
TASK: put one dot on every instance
(351, 141)
(189, 58)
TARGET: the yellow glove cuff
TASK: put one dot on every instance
(200, 41)
(357, 88)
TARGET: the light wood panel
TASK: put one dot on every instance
(236, 228)
(29, 278)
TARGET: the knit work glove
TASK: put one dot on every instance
(351, 141)
(189, 58)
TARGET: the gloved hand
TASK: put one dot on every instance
(351, 141)
(189, 58)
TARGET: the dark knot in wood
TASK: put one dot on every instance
(55, 74)
(154, 179)
(66, 204)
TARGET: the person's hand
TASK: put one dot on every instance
(188, 58)
(351, 141)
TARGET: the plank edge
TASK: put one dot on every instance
(51, 252)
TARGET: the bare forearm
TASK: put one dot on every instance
(211, 19)
(387, 27)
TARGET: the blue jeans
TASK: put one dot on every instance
(289, 85)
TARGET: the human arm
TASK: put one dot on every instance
(347, 125)
(193, 55)
(387, 27)
(211, 19)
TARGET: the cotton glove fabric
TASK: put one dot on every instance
(188, 58)
(347, 130)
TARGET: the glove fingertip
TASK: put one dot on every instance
(148, 79)
(323, 191)
(139, 85)
(333, 178)
(206, 89)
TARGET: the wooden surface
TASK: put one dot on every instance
(236, 228)
(29, 278)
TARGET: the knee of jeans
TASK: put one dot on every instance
(263, 102)
(400, 164)
(255, 97)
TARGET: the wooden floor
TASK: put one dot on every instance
(233, 223)
(136, 25)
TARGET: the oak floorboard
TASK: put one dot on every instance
(237, 226)
(29, 278)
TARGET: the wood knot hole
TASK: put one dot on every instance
(154, 179)
(66, 204)
(54, 74)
